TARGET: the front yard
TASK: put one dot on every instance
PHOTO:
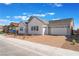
(56, 41)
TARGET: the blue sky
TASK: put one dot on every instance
(16, 12)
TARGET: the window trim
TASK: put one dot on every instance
(21, 28)
(34, 28)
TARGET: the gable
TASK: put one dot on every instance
(22, 24)
(35, 21)
(60, 23)
(42, 21)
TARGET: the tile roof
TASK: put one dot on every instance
(14, 24)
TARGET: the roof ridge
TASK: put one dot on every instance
(64, 19)
(45, 22)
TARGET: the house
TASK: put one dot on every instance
(35, 25)
(13, 27)
(6, 28)
(23, 28)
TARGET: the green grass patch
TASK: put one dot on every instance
(1, 32)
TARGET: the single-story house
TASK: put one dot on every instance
(13, 27)
(6, 28)
(35, 25)
(23, 28)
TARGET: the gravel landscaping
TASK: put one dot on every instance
(57, 41)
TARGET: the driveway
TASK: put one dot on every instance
(15, 47)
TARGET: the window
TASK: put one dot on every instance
(21, 28)
(37, 28)
(34, 28)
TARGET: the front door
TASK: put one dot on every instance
(43, 32)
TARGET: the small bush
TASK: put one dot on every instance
(1, 32)
(73, 41)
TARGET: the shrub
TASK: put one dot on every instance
(73, 41)
(1, 32)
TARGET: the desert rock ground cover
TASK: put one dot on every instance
(57, 41)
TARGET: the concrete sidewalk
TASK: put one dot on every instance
(40, 48)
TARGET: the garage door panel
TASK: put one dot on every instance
(58, 31)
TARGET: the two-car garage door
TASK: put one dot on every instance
(58, 31)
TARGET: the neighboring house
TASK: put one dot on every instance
(6, 29)
(53, 27)
(13, 27)
(23, 28)
(1, 28)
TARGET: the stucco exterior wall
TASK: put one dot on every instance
(24, 28)
(35, 22)
(60, 26)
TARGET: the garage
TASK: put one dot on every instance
(58, 31)
(61, 27)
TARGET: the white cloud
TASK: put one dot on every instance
(58, 4)
(56, 19)
(51, 13)
(43, 14)
(5, 21)
(21, 17)
(40, 15)
(26, 17)
(16, 17)
(7, 3)
(7, 16)
(24, 13)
